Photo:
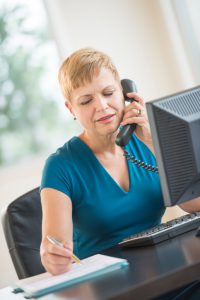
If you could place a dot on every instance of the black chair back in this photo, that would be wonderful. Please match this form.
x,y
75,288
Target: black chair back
x,y
22,228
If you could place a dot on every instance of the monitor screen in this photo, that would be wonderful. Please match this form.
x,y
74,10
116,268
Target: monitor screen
x,y
175,128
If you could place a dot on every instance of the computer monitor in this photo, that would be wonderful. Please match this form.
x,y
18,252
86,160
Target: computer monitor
x,y
175,128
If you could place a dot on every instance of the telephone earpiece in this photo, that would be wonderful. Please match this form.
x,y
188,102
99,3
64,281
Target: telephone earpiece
x,y
126,132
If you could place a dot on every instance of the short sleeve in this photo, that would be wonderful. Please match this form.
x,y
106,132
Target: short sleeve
x,y
56,175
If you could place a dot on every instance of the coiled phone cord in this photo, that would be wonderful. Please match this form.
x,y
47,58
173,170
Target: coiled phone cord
x,y
140,163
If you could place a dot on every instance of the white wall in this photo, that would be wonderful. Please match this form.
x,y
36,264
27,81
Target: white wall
x,y
142,37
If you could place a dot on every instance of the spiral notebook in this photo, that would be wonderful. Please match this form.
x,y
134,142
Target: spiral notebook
x,y
91,267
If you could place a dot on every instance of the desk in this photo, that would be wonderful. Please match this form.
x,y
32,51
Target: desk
x,y
153,271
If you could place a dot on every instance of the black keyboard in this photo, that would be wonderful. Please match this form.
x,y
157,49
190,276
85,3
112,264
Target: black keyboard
x,y
163,231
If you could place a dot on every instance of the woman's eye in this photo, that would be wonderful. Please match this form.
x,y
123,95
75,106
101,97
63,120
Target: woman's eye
x,y
86,102
108,94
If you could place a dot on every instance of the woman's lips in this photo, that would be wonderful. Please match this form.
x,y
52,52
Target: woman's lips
x,y
106,118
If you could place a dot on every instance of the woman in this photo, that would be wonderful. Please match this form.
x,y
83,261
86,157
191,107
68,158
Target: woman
x,y
92,197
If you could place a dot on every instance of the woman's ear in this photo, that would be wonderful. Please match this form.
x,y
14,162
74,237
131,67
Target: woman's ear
x,y
69,106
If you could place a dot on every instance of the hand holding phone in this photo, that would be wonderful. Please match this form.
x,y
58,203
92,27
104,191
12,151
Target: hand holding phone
x,y
126,132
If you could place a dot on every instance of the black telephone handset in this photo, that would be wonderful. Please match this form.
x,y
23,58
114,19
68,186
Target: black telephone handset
x,y
126,132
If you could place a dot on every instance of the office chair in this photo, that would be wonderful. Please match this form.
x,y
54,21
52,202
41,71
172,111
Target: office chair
x,y
22,228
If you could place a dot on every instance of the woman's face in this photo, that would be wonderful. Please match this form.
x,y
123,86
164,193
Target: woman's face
x,y
99,105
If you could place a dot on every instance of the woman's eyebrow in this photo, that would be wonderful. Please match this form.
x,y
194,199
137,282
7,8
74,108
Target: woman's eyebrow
x,y
109,87
83,96
89,95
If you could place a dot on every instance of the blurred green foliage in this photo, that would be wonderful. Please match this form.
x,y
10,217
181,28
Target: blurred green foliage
x,y
26,111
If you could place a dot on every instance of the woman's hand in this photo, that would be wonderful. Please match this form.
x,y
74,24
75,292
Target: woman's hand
x,y
55,259
135,112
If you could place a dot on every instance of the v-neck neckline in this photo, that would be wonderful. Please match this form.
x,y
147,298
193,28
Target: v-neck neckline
x,y
104,169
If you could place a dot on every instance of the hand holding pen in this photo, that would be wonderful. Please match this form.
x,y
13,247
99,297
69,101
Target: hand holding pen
x,y
55,258
56,242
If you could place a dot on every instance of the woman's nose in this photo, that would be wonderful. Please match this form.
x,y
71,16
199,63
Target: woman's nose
x,y
101,104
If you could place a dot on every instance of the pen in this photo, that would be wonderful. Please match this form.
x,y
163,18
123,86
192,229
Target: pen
x,y
56,242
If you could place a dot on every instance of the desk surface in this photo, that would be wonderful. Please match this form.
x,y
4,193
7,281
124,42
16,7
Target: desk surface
x,y
153,270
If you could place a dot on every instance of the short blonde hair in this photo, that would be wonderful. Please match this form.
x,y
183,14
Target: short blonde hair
x,y
80,67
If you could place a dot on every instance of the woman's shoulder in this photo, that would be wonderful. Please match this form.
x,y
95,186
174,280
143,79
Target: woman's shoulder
x,y
64,154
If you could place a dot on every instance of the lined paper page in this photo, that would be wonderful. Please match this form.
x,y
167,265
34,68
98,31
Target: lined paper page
x,y
89,265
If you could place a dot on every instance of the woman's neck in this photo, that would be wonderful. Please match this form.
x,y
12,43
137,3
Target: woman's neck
x,y
102,144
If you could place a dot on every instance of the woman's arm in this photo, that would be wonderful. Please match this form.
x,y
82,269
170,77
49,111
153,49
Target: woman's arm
x,y
57,222
191,206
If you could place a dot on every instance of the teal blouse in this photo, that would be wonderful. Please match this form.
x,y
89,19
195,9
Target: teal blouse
x,y
104,213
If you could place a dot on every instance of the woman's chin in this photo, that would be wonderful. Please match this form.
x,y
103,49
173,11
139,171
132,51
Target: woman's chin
x,y
112,130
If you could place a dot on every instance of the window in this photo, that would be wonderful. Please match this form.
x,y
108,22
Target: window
x,y
31,119
187,13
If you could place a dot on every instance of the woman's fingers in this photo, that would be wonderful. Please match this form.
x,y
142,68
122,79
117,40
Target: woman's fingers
x,y
68,245
136,97
134,105
134,120
57,250
134,113
58,260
